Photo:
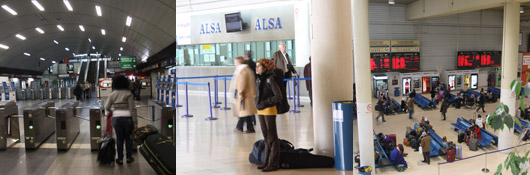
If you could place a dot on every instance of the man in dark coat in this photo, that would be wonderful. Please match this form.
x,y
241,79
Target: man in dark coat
x,y
307,74
282,61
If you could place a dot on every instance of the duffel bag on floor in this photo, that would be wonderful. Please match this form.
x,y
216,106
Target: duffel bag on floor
x,y
294,160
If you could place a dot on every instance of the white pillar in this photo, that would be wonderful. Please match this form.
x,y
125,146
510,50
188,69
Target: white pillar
x,y
510,46
332,66
361,43
301,34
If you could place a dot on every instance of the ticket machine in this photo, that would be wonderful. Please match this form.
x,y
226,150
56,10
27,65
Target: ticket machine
x,y
169,89
174,92
105,87
163,88
157,86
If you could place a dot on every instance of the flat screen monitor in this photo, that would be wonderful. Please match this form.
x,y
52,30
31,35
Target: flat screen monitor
x,y
233,22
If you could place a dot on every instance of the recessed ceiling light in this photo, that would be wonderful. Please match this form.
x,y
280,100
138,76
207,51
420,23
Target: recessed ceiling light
x,y
73,54
53,62
67,49
94,47
39,30
27,54
103,31
4,46
119,54
5,7
521,9
55,41
98,10
129,20
20,37
37,4
121,48
68,6
60,27
42,59
123,39
391,2
82,28
89,40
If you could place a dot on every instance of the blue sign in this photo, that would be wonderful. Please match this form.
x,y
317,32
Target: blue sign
x,y
268,24
210,28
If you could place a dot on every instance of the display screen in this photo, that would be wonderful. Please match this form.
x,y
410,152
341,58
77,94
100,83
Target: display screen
x,y
398,62
474,59
233,22
406,85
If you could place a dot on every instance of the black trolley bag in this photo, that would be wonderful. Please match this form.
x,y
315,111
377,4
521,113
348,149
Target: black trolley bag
x,y
159,152
295,159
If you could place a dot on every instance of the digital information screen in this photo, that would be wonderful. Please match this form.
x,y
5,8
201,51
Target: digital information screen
x,y
475,59
395,62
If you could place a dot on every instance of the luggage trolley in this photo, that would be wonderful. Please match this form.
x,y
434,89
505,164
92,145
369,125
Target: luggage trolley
x,y
39,123
66,125
9,128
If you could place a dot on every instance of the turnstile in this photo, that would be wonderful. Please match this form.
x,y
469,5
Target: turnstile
x,y
39,123
71,92
54,93
20,94
28,94
9,128
62,93
66,125
163,118
96,114
37,94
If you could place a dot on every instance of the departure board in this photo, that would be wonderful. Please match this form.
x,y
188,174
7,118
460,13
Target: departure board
x,y
475,59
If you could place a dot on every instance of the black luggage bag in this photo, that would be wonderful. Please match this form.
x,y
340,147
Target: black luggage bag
x,y
159,152
294,160
106,150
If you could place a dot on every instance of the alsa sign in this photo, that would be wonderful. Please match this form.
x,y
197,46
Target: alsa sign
x,y
261,24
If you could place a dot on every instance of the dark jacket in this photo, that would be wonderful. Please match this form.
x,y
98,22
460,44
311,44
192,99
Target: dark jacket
x,y
397,158
444,107
252,65
279,61
268,92
307,74
78,90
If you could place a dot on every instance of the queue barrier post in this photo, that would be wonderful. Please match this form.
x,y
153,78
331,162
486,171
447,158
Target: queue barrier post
x,y
294,98
177,105
226,107
187,104
210,104
298,89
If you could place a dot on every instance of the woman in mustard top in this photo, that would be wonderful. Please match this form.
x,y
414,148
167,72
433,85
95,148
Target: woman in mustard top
x,y
267,97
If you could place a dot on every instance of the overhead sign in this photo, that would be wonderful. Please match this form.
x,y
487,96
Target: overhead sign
x,y
475,59
398,62
405,49
128,62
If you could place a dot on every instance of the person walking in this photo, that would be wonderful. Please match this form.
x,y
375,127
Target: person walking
x,y
138,89
426,147
433,94
78,91
307,74
268,96
120,106
380,108
246,91
87,90
410,105
445,106
481,100
252,65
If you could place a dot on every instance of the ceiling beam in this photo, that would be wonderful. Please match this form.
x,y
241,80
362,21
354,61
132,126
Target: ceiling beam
x,y
424,9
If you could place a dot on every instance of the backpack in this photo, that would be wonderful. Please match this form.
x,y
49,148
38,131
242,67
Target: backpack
x,y
283,106
257,156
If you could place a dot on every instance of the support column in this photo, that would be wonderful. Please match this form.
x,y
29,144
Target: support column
x,y
510,46
301,34
332,66
361,43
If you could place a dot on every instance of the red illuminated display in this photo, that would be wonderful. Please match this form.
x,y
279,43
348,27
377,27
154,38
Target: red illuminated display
x,y
385,62
479,59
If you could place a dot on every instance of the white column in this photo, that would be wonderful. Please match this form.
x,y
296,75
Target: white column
x,y
332,66
361,43
301,34
510,46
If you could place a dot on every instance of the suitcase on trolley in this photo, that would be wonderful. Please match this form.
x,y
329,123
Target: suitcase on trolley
x,y
451,155
159,152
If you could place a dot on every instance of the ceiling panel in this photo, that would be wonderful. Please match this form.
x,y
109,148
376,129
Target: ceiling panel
x,y
149,32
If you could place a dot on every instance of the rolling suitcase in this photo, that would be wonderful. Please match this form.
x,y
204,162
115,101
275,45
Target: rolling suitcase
x,y
451,155
458,150
159,152
461,137
393,137
473,144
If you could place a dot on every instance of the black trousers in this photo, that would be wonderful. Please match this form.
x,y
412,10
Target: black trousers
x,y
243,120
123,126
481,106
272,143
427,157
311,97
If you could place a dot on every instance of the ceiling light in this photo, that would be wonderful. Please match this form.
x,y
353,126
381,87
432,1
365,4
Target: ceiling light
x,y
5,7
391,2
42,59
39,30
123,39
94,47
129,20
98,10
82,28
68,6
89,40
121,48
103,31
119,54
20,37
27,54
73,54
60,27
53,62
67,49
55,41
37,4
4,46
521,9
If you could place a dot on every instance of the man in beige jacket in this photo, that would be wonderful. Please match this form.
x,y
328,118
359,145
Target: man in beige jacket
x,y
246,91
426,147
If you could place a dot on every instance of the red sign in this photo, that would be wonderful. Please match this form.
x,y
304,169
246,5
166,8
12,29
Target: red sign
x,y
474,59
17,75
400,62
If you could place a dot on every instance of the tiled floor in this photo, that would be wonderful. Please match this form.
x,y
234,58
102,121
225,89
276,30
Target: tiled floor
x,y
78,160
211,147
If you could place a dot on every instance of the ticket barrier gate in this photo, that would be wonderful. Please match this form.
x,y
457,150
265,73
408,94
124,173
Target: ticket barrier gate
x,y
36,94
98,124
45,93
29,94
9,128
163,118
66,125
62,93
71,92
39,123
20,94
54,93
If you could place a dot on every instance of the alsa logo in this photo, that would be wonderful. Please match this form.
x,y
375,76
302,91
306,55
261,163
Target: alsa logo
x,y
209,28
268,24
